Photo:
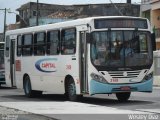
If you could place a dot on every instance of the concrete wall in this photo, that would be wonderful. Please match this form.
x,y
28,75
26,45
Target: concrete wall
x,y
156,18
156,81
108,9
152,7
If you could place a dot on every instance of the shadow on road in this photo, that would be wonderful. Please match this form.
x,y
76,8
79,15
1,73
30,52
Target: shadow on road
x,y
16,95
43,98
88,100
7,88
112,102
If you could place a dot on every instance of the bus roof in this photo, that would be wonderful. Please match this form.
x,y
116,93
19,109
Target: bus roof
x,y
76,22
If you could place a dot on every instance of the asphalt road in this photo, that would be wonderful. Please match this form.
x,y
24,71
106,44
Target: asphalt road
x,y
98,107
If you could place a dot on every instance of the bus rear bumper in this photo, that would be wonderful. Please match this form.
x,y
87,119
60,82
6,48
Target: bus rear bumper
x,y
102,88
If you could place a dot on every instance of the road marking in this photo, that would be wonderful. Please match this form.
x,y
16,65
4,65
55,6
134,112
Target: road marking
x,y
65,108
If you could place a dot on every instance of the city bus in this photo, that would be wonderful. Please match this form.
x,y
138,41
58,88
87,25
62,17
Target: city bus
x,y
95,55
2,77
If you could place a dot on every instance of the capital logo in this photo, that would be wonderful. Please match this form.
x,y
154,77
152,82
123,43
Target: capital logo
x,y
46,65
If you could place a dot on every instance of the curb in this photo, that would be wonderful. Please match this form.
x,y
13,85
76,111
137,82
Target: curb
x,y
156,87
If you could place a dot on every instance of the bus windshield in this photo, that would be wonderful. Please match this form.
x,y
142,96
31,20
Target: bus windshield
x,y
121,49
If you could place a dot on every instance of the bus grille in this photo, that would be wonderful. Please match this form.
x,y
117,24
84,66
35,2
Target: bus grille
x,y
124,74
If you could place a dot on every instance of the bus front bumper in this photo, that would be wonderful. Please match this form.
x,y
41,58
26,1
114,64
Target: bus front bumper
x,y
102,88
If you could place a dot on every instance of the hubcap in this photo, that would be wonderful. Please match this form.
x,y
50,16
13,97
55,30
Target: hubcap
x,y
27,87
72,89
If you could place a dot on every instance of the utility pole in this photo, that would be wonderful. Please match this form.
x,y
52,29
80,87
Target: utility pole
x,y
4,31
37,15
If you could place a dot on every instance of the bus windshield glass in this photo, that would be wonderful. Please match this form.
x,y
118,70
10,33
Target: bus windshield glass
x,y
120,49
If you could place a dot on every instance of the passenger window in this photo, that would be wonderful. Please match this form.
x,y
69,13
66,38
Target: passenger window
x,y
27,39
19,45
7,46
27,44
53,42
39,43
68,45
143,42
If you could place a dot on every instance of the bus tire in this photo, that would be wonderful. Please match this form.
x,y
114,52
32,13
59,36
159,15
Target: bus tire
x,y
124,96
71,90
28,89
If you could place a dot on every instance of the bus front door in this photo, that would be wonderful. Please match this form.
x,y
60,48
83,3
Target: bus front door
x,y
83,62
12,62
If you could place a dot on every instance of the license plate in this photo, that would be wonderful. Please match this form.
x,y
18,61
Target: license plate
x,y
125,88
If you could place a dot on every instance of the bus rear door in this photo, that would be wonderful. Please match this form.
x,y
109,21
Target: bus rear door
x,y
10,61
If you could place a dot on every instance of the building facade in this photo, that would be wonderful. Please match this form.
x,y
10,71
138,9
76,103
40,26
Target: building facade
x,y
29,12
151,10
13,26
46,12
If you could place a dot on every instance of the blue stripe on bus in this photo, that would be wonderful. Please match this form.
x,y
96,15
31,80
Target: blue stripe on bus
x,y
98,88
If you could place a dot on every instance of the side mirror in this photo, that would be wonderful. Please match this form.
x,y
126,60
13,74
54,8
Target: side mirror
x,y
153,40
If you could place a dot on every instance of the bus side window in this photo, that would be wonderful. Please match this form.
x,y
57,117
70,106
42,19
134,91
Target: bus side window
x,y
7,46
39,43
27,44
19,45
53,38
68,45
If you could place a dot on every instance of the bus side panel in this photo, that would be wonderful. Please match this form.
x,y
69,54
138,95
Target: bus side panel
x,y
52,81
41,75
19,80
44,80
69,66
19,72
7,78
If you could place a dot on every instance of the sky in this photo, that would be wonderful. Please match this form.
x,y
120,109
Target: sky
x,y
14,4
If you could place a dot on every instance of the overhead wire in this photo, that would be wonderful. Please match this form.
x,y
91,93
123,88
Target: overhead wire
x,y
116,8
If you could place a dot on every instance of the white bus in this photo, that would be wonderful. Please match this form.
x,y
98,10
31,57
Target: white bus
x,y
2,77
96,55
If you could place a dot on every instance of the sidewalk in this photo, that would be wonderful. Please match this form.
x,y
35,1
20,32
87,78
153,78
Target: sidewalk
x,y
156,87
7,113
156,81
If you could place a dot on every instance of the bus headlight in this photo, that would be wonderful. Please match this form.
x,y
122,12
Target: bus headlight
x,y
148,76
98,78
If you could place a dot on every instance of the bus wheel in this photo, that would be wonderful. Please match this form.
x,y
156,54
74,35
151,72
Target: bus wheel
x,y
28,89
122,97
71,90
